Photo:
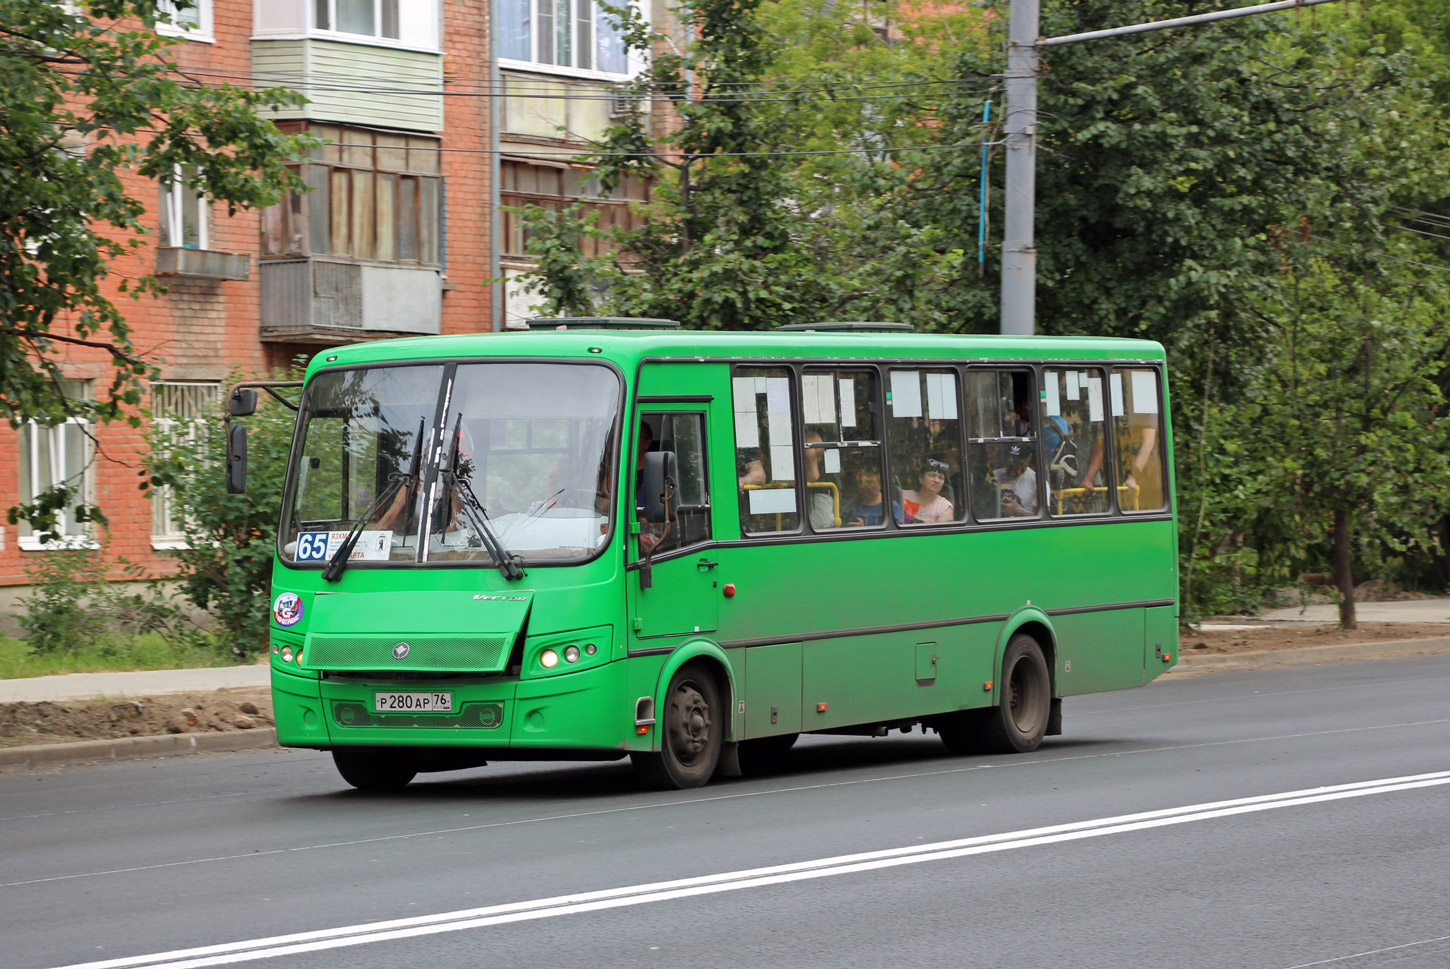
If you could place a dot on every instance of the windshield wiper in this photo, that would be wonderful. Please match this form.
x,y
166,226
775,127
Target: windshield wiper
x,y
338,562
477,515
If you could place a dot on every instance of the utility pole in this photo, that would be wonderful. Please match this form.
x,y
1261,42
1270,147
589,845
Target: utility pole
x,y
1019,129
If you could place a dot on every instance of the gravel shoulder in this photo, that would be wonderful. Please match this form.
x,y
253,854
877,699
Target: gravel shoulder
x,y
64,721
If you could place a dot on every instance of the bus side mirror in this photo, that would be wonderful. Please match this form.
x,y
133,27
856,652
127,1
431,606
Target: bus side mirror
x,y
242,403
237,457
660,474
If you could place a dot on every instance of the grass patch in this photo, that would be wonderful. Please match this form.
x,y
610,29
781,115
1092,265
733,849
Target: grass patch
x,y
111,653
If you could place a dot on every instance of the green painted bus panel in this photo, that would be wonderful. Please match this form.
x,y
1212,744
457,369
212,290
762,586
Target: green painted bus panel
x,y
1160,639
926,660
862,679
297,710
415,631
772,689
643,676
682,600
1099,651
681,379
585,709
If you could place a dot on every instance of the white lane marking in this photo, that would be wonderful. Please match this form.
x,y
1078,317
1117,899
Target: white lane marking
x,y
688,802
368,933
1371,952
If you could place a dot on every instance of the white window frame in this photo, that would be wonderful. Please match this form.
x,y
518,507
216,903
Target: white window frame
x,y
634,62
174,198
186,24
166,531
409,13
73,534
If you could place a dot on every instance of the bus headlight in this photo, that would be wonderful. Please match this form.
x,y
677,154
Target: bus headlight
x,y
548,659
571,654
286,654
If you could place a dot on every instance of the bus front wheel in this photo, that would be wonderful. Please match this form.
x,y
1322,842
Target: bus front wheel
x,y
690,734
373,770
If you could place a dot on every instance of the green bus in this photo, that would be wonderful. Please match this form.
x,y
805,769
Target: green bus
x,y
606,538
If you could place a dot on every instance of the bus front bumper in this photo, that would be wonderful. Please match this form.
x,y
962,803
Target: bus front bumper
x,y
567,716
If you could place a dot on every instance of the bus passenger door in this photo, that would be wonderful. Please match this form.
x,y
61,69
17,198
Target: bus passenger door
x,y
683,593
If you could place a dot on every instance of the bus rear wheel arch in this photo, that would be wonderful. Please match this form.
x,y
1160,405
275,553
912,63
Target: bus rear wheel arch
x,y
1021,719
692,723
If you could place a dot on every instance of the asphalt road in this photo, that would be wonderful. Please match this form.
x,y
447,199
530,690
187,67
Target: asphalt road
x,y
1290,817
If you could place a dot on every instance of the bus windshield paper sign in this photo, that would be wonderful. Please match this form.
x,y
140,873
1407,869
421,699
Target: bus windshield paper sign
x,y
372,546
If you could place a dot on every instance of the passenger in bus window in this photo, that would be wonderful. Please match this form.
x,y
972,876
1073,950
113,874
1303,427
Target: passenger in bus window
x,y
868,505
823,500
926,503
1018,480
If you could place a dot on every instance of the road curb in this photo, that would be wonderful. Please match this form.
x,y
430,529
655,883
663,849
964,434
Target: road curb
x,y
166,745
1190,662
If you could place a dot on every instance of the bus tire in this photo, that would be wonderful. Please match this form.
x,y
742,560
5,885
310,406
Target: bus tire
x,y
1018,724
765,755
373,770
690,727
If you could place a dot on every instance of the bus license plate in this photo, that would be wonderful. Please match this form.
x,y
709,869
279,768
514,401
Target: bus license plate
x,y
413,702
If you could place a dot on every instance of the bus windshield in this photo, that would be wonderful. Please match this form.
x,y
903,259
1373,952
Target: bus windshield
x,y
433,464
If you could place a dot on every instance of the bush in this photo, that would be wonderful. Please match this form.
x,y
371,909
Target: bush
x,y
75,608
227,568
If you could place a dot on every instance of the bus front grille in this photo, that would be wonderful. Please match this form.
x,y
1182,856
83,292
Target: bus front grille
x,y
473,716
445,654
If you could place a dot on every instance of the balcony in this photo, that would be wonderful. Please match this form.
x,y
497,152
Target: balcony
x,y
321,301
204,263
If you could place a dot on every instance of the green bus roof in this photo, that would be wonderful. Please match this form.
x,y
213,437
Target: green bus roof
x,y
627,346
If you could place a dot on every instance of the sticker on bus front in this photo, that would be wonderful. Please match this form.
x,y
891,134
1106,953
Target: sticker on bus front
x,y
372,546
287,609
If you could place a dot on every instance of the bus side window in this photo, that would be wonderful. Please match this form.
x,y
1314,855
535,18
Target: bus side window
x,y
765,450
842,449
925,442
684,435
1138,439
1002,445
1073,435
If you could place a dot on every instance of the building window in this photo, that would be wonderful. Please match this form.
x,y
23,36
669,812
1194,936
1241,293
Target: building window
x,y
370,18
183,214
179,413
376,196
58,454
191,19
556,187
577,34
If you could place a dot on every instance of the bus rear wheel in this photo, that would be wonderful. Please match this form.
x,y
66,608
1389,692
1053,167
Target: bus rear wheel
x,y
1019,722
373,770
690,735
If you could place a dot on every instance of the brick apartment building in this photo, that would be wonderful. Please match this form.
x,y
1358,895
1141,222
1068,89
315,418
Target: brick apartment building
x,y
401,235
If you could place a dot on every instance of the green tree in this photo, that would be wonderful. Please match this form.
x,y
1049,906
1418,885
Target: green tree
x,y
226,568
717,250
88,96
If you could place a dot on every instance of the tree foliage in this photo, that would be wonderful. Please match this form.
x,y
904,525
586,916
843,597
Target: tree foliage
x,y
1263,196
226,566
92,94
